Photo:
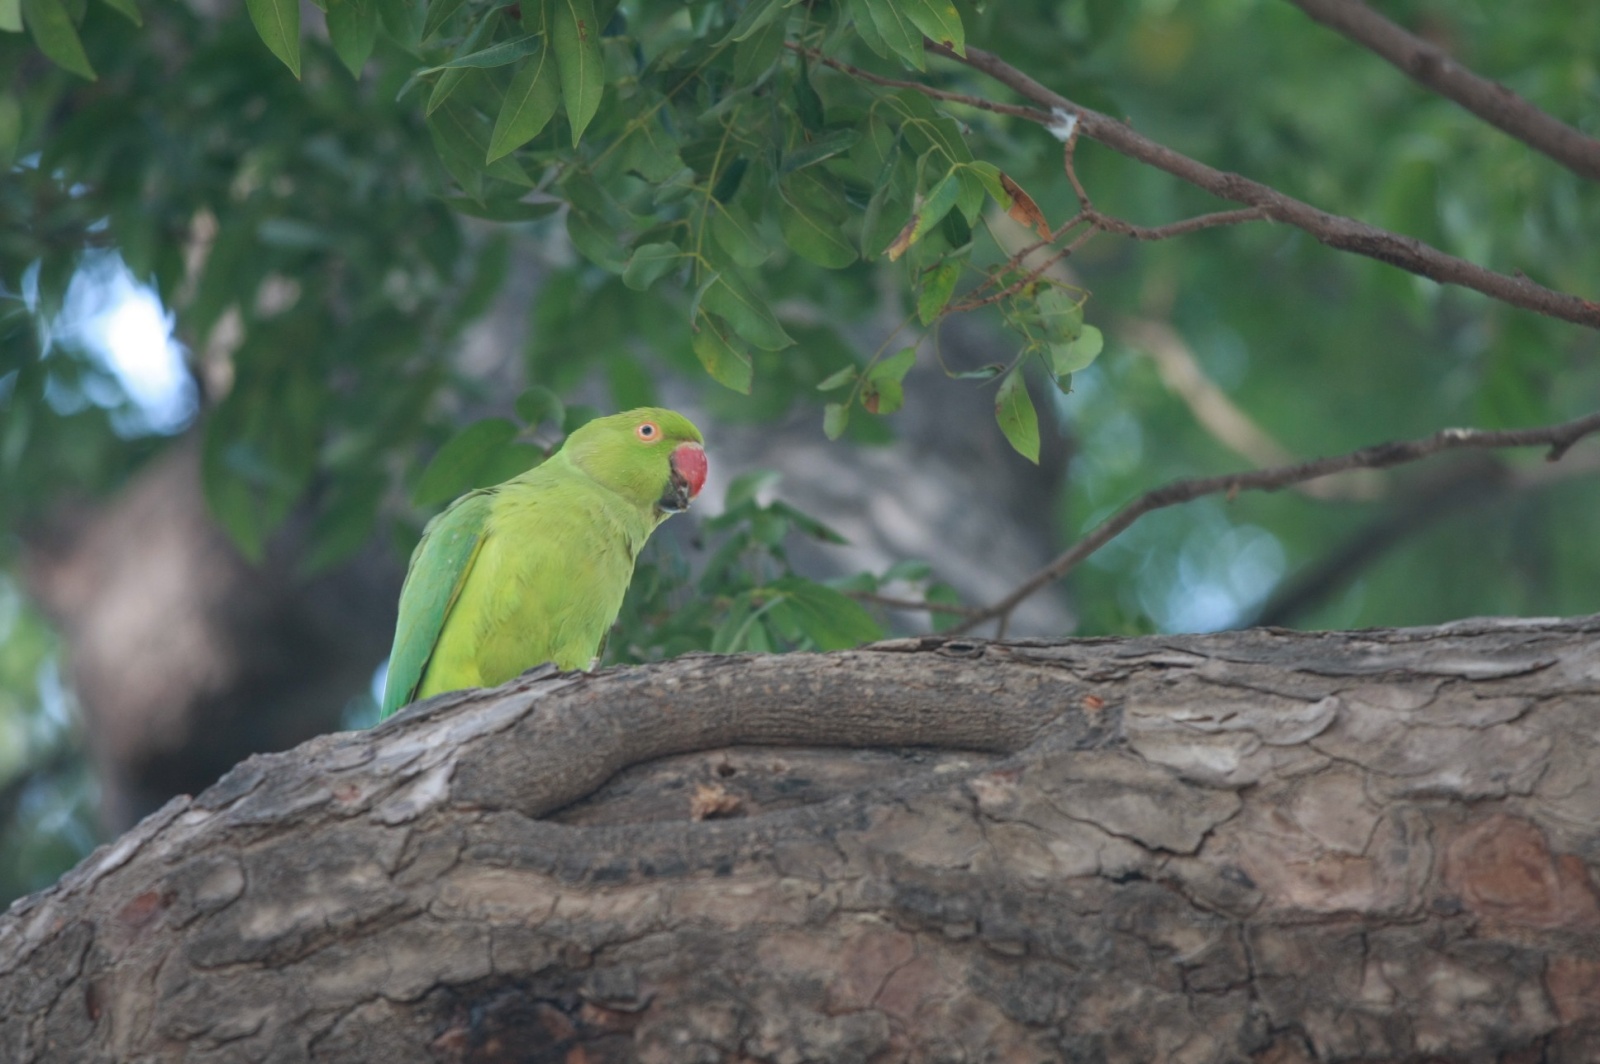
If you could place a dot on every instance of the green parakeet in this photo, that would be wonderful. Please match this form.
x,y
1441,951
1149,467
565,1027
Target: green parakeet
x,y
534,570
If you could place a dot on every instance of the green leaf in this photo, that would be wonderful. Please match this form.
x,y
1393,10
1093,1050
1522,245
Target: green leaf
x,y
882,396
734,633
575,34
747,487
721,356
970,199
278,23
508,462
595,242
938,203
462,136
452,138
57,37
496,55
831,620
729,182
449,81
461,464
736,234
439,12
807,104
648,263
806,523
813,235
835,418
862,18
937,289
838,379
927,129
529,104
882,392
400,18
1076,354
911,570
648,149
823,147
895,367
10,16
756,14
941,198
353,28
126,8
577,416
1060,314
1013,409
538,405
898,33
939,21
727,294
758,52
989,174
878,223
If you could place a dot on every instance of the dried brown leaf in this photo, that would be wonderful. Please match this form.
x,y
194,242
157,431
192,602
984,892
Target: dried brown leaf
x,y
903,241
1023,209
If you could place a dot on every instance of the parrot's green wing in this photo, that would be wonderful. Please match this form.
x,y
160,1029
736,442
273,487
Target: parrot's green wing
x,y
439,566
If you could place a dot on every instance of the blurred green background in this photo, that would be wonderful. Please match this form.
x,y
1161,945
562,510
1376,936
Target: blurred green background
x,y
247,320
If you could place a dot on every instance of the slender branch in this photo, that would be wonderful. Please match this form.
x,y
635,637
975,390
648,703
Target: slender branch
x,y
1020,283
919,605
1381,456
979,102
1431,66
1336,231
1183,228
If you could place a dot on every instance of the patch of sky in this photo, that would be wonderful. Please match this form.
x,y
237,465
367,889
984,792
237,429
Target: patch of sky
x,y
135,369
1218,577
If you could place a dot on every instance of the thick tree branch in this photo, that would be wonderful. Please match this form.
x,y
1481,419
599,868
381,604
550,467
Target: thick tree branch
x,y
1336,231
1431,66
1380,456
1263,845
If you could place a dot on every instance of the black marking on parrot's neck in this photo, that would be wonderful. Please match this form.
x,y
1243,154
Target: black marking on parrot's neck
x,y
675,499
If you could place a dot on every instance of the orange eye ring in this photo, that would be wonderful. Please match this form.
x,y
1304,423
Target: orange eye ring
x,y
648,432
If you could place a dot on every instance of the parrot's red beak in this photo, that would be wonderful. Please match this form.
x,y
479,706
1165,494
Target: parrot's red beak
x,y
688,461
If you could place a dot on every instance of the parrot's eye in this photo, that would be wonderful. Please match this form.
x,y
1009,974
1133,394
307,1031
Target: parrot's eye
x,y
649,432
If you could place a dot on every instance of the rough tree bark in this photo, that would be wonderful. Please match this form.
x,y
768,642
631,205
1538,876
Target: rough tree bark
x,y
1264,845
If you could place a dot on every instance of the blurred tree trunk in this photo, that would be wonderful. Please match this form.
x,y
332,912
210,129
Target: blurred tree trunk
x,y
186,657
1261,845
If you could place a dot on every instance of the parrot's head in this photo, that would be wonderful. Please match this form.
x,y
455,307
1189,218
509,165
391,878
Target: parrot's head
x,y
648,455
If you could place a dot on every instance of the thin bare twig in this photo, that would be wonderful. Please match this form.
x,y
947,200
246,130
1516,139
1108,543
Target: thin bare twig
x,y
918,605
1336,231
982,104
1183,228
1380,456
1431,66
